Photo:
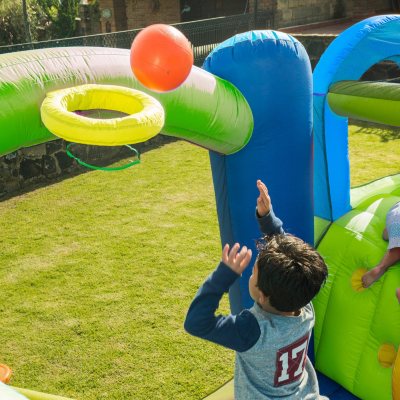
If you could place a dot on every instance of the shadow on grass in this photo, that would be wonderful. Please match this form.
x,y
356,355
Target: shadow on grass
x,y
384,132
103,159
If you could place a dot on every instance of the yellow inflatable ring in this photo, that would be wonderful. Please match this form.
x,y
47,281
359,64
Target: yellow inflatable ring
x,y
144,120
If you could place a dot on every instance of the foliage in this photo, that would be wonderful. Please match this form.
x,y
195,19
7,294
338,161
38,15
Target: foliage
x,y
65,23
48,19
39,21
339,10
11,29
50,8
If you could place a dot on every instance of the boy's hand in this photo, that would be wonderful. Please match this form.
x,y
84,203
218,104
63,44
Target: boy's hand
x,y
236,260
263,200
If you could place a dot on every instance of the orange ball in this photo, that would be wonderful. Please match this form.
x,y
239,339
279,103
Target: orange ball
x,y
161,57
5,373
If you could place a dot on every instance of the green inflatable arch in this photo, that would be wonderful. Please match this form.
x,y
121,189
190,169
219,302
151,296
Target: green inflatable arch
x,y
205,110
367,101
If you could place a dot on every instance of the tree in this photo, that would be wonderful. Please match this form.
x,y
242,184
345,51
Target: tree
x,y
10,31
12,22
65,24
48,19
50,8
27,27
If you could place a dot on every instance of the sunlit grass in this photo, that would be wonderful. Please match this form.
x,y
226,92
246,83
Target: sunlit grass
x,y
374,152
97,272
96,275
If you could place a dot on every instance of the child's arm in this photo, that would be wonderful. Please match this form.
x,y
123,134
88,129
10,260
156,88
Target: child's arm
x,y
268,222
237,332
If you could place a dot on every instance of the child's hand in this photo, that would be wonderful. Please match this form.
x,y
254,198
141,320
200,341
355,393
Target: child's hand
x,y
236,260
263,200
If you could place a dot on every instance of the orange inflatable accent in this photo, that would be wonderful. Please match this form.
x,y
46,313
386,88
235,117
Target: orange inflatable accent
x,y
396,377
161,57
5,373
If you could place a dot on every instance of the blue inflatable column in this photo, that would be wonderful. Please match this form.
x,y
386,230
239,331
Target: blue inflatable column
x,y
273,72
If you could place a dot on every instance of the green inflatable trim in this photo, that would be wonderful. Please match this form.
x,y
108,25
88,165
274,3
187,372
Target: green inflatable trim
x,y
204,110
32,395
367,101
320,227
378,189
225,392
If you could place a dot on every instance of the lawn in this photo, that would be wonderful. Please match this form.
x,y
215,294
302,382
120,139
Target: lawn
x,y
97,272
374,152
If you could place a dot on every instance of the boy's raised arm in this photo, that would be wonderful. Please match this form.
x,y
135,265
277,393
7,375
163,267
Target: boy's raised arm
x,y
237,332
263,200
268,222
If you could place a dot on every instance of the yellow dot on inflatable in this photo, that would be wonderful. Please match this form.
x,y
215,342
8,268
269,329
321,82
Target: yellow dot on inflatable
x,y
387,355
356,282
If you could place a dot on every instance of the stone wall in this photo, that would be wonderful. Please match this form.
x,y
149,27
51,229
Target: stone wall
x,y
315,45
133,14
141,13
43,164
359,7
299,12
138,13
264,5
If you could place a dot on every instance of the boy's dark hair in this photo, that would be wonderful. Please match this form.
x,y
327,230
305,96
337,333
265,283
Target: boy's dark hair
x,y
290,271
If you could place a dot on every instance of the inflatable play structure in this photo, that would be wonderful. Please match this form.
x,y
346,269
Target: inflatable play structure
x,y
357,335
253,105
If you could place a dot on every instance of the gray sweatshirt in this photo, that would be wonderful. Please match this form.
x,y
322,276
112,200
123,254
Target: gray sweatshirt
x,y
271,350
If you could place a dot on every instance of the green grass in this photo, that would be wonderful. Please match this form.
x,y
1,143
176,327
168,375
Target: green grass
x,y
97,272
374,152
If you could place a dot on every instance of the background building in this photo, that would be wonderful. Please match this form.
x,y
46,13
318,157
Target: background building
x,y
119,15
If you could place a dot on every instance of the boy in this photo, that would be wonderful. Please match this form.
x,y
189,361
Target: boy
x,y
271,338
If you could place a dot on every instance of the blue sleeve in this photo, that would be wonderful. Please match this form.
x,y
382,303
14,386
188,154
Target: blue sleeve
x,y
237,332
270,224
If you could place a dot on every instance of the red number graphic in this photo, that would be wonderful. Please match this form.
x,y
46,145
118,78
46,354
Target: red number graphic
x,y
290,361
